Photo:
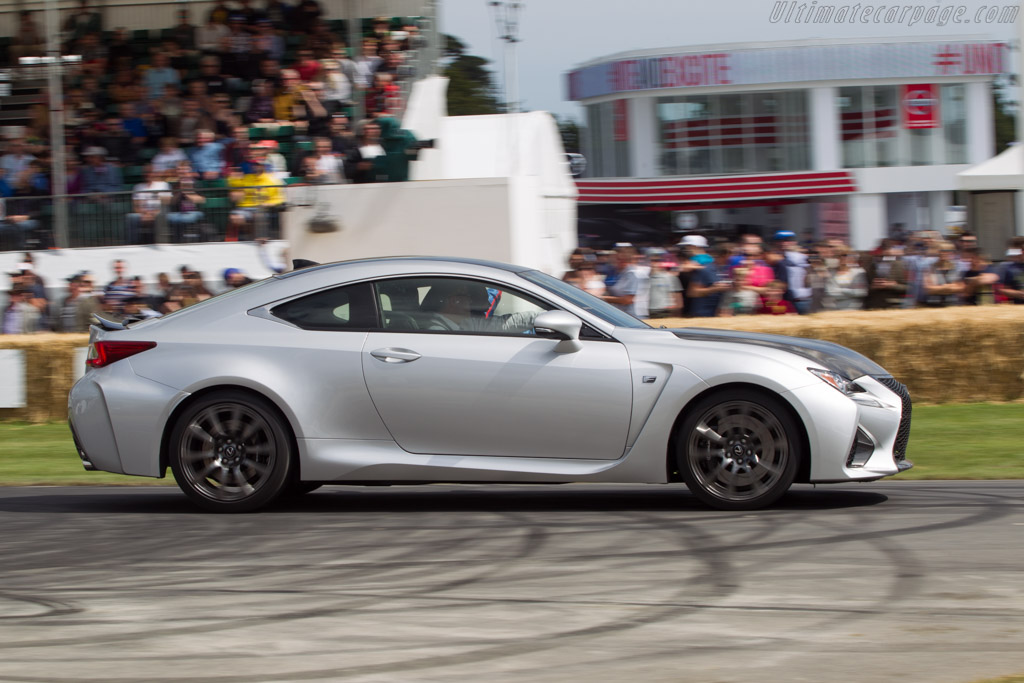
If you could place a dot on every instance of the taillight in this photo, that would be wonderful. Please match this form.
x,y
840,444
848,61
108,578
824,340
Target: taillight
x,y
103,353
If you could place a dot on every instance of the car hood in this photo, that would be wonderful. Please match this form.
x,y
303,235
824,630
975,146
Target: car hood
x,y
830,356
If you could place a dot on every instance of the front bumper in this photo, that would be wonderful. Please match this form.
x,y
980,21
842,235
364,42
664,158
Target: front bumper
x,y
859,439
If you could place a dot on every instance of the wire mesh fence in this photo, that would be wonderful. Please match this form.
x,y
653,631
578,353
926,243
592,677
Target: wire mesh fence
x,y
212,214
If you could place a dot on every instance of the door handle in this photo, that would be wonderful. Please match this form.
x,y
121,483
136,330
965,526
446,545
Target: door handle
x,y
395,355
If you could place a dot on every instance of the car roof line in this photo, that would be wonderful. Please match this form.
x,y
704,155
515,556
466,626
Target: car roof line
x,y
383,259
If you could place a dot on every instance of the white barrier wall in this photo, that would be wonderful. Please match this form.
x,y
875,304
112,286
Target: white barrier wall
x,y
494,187
12,378
210,259
500,219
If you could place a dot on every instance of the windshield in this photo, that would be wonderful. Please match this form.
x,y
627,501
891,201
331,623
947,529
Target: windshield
x,y
588,302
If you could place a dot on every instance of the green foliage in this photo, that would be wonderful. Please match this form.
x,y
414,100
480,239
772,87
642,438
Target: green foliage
x,y
471,89
570,131
453,47
1003,110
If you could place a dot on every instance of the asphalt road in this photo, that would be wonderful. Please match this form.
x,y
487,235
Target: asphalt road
x,y
893,581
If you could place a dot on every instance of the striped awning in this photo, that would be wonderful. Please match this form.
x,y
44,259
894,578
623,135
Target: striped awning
x,y
703,189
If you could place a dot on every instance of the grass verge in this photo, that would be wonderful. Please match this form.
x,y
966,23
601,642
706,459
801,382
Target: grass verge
x,y
973,441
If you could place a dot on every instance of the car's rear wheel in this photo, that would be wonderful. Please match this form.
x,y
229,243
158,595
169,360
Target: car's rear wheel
x,y
230,452
739,450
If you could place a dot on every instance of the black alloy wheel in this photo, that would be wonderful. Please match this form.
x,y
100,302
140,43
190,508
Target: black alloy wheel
x,y
231,452
739,450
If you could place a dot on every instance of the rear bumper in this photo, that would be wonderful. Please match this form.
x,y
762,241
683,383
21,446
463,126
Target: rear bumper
x,y
89,418
86,463
118,418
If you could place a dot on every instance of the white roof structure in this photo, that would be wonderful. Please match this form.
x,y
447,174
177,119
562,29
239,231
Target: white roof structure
x,y
491,146
1002,172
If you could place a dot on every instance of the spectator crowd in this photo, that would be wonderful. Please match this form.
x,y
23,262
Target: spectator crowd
x,y
30,308
747,276
691,279
188,124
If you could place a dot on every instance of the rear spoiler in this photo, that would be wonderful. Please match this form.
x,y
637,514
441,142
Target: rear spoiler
x,y
108,324
111,324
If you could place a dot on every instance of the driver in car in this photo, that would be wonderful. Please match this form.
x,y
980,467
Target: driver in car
x,y
457,314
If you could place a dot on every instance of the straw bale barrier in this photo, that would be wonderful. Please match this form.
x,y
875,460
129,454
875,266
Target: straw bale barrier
x,y
49,373
952,355
965,354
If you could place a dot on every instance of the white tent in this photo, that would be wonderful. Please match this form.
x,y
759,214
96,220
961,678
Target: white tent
x,y
995,185
1002,172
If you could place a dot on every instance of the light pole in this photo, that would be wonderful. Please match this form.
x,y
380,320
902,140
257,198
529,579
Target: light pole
x,y
1020,113
58,185
506,14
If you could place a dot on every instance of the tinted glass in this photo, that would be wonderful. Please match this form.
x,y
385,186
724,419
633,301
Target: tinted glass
x,y
433,304
339,309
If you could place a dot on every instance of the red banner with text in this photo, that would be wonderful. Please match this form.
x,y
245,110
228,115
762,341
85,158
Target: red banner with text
x,y
920,106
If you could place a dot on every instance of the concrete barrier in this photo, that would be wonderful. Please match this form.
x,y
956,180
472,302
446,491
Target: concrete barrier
x,y
956,355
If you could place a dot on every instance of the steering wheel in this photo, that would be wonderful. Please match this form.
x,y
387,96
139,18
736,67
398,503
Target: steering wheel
x,y
399,321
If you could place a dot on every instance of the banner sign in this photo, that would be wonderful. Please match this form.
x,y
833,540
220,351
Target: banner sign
x,y
620,120
788,65
920,106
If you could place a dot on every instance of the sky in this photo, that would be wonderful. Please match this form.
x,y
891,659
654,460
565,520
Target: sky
x,y
558,35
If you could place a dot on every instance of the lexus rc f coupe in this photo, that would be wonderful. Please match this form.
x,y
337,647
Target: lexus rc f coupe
x,y
418,370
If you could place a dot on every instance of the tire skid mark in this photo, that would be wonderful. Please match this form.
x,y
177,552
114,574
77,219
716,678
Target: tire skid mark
x,y
532,540
655,612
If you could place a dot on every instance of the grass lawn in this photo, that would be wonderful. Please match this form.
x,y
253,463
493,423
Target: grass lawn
x,y
45,454
976,441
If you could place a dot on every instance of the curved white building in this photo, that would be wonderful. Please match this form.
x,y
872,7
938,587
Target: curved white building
x,y
851,139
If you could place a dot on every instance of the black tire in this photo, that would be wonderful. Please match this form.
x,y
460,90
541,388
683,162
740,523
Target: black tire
x,y
739,449
231,451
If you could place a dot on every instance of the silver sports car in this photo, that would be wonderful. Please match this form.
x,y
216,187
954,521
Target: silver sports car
x,y
420,370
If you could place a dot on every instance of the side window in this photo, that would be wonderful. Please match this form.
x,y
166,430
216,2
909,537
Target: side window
x,y
338,309
433,304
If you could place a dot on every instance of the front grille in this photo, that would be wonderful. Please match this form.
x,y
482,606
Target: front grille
x,y
903,434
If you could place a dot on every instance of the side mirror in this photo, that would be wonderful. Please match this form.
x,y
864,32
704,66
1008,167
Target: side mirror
x,y
562,326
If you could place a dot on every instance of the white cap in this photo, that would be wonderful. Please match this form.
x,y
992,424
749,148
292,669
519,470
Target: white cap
x,y
694,241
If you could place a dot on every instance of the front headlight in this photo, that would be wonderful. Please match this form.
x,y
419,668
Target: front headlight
x,y
845,386
836,381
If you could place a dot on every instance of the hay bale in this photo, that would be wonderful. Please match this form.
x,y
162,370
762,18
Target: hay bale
x,y
965,354
952,355
49,370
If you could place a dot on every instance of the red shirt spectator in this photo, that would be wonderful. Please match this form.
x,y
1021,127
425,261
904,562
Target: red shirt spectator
x,y
308,68
774,303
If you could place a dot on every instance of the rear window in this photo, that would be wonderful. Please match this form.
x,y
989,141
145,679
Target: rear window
x,y
340,309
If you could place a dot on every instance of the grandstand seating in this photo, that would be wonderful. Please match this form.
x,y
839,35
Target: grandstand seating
x,y
103,224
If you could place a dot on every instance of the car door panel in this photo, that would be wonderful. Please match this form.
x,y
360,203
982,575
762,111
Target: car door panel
x,y
467,394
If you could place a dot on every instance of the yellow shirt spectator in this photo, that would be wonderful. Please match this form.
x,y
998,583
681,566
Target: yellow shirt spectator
x,y
260,189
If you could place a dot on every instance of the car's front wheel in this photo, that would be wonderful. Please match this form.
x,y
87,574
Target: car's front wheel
x,y
230,452
739,450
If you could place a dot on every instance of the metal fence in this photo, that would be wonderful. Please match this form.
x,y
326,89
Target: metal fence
x,y
154,217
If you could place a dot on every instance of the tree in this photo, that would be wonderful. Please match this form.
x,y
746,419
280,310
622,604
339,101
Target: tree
x,y
471,89
570,131
1005,112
